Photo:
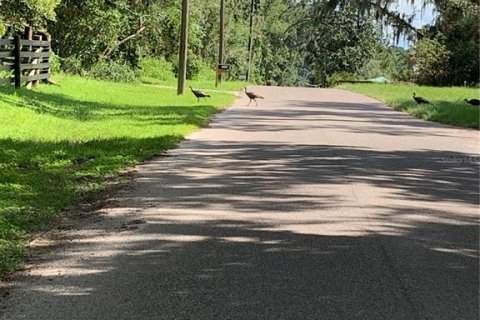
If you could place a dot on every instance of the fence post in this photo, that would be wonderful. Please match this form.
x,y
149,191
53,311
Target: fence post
x,y
33,72
17,64
28,35
48,37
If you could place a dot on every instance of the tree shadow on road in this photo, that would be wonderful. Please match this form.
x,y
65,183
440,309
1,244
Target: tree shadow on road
x,y
241,235
261,170
231,269
363,118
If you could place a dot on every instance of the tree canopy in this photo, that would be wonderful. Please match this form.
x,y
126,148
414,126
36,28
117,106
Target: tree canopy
x,y
15,14
294,41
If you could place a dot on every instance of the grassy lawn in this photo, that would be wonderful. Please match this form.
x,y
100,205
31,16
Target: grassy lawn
x,y
59,144
447,102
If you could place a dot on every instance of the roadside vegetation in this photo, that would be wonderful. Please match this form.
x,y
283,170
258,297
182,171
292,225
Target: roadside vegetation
x,y
447,103
61,144
293,42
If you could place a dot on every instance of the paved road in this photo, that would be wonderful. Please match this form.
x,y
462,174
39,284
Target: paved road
x,y
316,204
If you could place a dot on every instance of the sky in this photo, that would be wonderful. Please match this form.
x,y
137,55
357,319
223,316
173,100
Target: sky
x,y
423,15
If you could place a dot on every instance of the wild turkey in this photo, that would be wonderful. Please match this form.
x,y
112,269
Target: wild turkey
x,y
253,96
199,94
473,102
420,100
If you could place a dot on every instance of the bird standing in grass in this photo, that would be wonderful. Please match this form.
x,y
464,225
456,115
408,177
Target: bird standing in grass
x,y
253,96
420,100
199,94
473,102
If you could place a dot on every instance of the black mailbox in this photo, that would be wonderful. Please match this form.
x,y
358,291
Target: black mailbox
x,y
223,67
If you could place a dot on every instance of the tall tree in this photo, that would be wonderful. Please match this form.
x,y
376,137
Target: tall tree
x,y
91,30
339,41
278,55
289,35
458,28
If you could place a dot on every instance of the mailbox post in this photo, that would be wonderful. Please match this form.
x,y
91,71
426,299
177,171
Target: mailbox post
x,y
221,68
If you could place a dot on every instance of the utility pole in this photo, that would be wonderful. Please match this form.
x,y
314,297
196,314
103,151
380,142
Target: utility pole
x,y
182,59
222,41
250,40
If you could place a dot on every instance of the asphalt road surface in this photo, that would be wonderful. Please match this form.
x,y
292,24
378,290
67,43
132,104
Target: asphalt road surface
x,y
315,204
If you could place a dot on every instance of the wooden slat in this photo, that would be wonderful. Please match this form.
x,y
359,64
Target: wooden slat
x,y
34,54
36,77
35,43
7,61
31,66
6,42
6,54
6,81
6,67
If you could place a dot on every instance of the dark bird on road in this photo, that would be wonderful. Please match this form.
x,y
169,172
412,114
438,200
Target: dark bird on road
x,y
473,102
253,96
420,100
199,94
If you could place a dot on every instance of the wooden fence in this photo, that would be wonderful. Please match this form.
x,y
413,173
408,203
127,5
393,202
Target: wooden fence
x,y
24,61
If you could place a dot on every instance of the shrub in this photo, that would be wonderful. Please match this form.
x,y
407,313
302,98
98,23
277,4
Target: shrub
x,y
113,71
3,29
6,74
391,62
72,65
204,72
196,69
431,60
156,68
56,63
342,76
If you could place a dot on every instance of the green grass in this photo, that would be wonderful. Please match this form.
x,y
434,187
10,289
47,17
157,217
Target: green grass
x,y
60,144
447,105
